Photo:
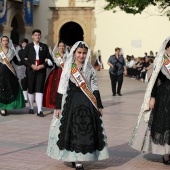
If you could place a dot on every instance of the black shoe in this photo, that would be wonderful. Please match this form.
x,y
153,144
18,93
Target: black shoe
x,y
31,111
119,94
4,112
80,167
40,114
113,94
73,164
166,162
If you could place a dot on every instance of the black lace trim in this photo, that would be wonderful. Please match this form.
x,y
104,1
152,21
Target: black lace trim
x,y
85,126
159,123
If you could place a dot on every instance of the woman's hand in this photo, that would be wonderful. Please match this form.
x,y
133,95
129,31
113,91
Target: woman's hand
x,y
152,103
125,72
101,112
57,113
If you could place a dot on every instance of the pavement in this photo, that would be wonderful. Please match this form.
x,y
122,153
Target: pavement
x,y
24,137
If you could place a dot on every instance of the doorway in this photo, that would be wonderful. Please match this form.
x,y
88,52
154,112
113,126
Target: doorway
x,y
71,32
18,29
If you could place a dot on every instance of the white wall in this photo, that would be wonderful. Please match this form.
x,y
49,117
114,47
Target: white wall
x,y
61,3
119,29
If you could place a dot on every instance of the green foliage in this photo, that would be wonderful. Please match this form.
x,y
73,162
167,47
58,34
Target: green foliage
x,y
135,6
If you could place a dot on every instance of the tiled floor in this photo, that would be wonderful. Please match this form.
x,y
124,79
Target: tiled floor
x,y
23,137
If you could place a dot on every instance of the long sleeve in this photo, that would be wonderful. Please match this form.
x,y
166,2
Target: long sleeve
x,y
24,57
95,89
160,79
15,60
96,93
154,90
48,57
59,101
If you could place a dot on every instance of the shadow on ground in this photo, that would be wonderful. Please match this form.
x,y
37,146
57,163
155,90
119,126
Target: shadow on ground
x,y
119,155
110,103
152,157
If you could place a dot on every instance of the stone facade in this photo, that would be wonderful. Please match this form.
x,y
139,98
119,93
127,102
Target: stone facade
x,y
15,18
83,16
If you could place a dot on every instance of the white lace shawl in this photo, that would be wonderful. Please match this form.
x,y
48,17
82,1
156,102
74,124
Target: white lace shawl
x,y
64,56
158,63
87,70
10,55
11,51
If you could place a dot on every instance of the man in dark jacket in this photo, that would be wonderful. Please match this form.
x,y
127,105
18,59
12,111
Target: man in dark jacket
x,y
117,68
36,58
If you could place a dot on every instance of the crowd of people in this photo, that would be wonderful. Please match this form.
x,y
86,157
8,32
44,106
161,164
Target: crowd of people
x,y
139,68
77,132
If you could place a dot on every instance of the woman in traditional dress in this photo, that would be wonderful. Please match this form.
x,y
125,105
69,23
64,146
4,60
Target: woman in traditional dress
x,y
152,133
77,132
50,92
98,63
11,96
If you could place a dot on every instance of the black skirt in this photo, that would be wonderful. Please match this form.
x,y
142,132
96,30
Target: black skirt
x,y
160,116
81,127
9,85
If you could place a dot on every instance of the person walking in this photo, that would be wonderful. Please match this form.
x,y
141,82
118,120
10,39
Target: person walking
x,y
98,63
152,132
50,91
117,68
36,58
77,132
11,96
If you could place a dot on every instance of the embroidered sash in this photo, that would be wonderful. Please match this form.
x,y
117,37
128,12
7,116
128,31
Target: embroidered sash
x,y
59,59
7,63
167,63
79,78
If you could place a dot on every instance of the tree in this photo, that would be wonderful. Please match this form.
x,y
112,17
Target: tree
x,y
136,6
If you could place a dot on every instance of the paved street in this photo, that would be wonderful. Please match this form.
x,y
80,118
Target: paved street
x,y
23,137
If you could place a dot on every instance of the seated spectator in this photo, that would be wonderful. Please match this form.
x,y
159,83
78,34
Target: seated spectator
x,y
131,71
143,72
151,55
139,66
128,58
145,54
156,54
149,70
